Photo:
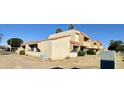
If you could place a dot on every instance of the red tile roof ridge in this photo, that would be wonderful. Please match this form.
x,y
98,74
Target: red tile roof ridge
x,y
75,43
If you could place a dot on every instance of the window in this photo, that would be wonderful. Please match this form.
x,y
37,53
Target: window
x,y
23,47
86,39
95,43
34,48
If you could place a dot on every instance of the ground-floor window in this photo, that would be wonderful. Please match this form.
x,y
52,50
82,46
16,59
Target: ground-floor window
x,y
34,48
82,48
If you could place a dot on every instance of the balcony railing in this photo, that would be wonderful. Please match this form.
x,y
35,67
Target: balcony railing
x,y
95,46
87,44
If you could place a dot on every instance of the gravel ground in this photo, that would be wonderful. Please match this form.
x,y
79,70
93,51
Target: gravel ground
x,y
15,61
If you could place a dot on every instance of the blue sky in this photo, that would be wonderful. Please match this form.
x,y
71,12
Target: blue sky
x,y
29,32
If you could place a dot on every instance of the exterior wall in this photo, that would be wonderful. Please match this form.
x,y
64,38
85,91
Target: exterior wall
x,y
27,48
69,32
81,39
40,46
45,48
87,44
34,54
71,47
76,37
60,48
98,52
52,49
95,46
101,47
73,54
98,46
19,49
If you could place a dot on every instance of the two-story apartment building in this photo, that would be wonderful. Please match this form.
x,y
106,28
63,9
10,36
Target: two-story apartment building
x,y
61,45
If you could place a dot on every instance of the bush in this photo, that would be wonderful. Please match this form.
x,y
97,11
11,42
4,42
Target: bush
x,y
81,53
67,58
22,52
91,52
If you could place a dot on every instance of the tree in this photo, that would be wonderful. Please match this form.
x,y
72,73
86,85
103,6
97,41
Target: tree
x,y
116,45
15,43
59,30
71,27
120,48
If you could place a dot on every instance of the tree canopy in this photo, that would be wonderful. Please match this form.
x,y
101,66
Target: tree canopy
x,y
15,42
116,45
59,30
71,27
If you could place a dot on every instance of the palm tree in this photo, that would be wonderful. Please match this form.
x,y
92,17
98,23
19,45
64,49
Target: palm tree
x,y
59,30
71,27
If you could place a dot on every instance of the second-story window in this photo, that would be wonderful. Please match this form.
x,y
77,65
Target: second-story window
x,y
86,39
95,43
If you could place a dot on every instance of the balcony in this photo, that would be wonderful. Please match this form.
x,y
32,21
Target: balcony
x,y
87,44
97,47
101,47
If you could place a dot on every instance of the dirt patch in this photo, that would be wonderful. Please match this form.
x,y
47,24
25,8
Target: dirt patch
x,y
27,62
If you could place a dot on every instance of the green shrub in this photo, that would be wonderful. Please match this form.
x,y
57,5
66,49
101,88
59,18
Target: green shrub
x,y
91,52
81,53
67,58
22,52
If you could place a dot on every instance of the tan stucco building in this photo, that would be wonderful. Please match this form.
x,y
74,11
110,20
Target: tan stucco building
x,y
61,45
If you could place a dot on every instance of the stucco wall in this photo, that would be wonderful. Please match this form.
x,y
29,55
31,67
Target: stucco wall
x,y
55,49
27,48
73,54
19,49
60,48
77,37
69,32
34,54
45,47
